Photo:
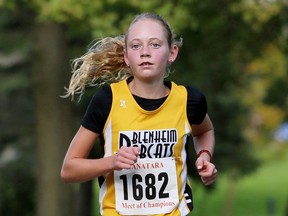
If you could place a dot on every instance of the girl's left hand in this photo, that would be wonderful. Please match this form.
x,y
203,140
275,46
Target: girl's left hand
x,y
206,170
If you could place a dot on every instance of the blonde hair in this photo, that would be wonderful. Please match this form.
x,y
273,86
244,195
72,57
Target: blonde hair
x,y
104,62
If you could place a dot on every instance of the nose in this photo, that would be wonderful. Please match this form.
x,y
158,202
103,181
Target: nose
x,y
145,52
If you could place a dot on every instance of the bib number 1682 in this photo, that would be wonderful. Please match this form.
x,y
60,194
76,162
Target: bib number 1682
x,y
145,186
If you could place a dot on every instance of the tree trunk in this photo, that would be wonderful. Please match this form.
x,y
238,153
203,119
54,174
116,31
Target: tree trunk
x,y
53,123
230,198
84,199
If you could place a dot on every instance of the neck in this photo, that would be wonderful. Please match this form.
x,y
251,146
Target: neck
x,y
149,90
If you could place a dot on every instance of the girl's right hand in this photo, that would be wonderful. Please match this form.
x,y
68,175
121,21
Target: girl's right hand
x,y
125,157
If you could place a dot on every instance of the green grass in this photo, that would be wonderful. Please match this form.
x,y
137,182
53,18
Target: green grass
x,y
269,184
248,196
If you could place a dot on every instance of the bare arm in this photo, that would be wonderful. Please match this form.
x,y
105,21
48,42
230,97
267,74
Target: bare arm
x,y
77,168
203,136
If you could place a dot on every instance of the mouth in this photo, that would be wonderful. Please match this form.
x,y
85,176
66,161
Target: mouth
x,y
145,64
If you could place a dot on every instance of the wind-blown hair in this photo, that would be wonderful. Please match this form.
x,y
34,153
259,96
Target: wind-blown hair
x,y
104,61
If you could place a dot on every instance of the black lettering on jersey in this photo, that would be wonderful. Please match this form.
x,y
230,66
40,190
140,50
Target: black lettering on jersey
x,y
158,151
171,150
124,140
151,143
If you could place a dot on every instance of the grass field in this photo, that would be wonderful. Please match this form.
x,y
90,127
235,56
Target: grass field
x,y
263,193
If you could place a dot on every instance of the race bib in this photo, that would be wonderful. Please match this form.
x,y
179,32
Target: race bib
x,y
148,187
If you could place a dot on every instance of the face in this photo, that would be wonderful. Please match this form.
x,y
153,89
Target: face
x,y
147,50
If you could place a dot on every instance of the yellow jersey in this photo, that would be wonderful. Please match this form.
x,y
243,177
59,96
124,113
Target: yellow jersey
x,y
157,184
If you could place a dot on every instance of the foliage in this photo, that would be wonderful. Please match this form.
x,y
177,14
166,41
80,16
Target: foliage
x,y
17,177
17,180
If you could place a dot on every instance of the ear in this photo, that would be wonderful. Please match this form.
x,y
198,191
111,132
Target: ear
x,y
126,58
173,53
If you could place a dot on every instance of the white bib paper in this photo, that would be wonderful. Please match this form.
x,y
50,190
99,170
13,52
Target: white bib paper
x,y
148,187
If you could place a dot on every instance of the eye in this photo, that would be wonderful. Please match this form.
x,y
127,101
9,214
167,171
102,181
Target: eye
x,y
155,45
135,46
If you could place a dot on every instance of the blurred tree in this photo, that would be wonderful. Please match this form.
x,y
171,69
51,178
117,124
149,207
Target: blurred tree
x,y
16,118
54,118
268,80
16,66
277,93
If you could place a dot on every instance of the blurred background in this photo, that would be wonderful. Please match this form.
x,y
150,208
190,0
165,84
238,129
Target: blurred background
x,y
235,52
